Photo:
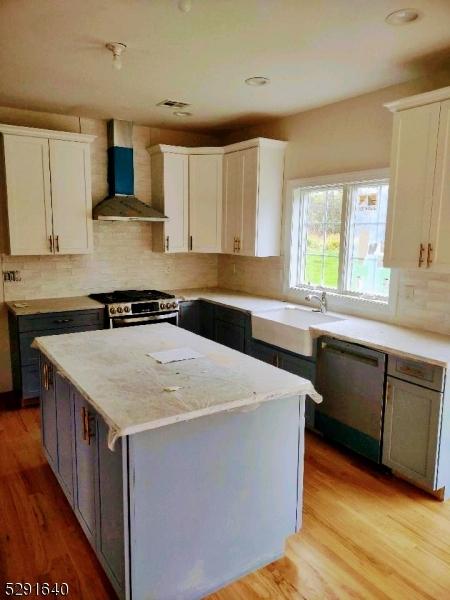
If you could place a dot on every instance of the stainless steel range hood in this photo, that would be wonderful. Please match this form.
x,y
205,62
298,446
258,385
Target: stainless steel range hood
x,y
122,204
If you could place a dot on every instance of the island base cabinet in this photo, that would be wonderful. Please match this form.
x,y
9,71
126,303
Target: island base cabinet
x,y
179,511
213,498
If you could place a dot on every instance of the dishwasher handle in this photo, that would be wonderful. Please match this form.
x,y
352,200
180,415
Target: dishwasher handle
x,y
354,352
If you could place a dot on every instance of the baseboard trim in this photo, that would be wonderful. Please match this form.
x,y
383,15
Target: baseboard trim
x,y
12,401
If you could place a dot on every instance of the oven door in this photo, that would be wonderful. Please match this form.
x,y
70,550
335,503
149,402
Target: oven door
x,y
130,321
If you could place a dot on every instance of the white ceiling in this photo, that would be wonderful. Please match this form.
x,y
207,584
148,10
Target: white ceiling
x,y
314,51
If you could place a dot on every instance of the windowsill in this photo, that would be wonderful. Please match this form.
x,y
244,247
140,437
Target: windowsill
x,y
344,303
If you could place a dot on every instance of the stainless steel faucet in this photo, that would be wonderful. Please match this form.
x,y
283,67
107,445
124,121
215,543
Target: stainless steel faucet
x,y
322,299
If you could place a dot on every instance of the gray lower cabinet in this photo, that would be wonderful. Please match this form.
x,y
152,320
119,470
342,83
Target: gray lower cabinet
x,y
189,316
298,365
411,434
74,439
25,359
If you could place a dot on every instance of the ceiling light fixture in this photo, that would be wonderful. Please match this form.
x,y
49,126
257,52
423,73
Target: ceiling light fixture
x,y
257,81
185,5
117,49
402,16
182,113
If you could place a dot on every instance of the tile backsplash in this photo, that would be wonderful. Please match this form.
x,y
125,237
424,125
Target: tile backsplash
x,y
123,258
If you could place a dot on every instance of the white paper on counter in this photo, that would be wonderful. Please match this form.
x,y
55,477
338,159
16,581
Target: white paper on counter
x,y
175,355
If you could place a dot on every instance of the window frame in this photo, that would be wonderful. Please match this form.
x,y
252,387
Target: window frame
x,y
339,299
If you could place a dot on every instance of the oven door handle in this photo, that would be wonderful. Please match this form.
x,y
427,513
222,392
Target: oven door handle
x,y
165,316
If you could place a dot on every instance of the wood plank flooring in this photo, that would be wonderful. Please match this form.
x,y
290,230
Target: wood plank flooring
x,y
366,535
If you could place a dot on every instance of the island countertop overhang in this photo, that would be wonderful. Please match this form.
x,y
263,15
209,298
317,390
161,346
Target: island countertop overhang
x,y
113,371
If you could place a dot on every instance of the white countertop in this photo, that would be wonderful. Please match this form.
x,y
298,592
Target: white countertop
x,y
411,343
232,299
112,370
49,305
432,348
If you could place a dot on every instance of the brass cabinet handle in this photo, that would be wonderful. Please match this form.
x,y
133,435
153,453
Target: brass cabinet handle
x,y
190,242
57,243
50,242
45,376
87,419
234,244
429,255
421,252
167,243
239,244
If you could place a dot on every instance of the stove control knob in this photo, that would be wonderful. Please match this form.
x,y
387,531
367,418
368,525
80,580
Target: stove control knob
x,y
112,310
119,309
126,308
162,305
174,304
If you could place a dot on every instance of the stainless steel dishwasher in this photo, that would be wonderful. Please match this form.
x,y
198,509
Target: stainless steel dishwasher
x,y
351,379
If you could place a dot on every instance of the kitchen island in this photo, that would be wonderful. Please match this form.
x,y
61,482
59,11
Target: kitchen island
x,y
183,475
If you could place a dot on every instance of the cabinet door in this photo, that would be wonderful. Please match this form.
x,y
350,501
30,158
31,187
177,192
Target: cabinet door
x,y
176,202
111,544
188,317
306,369
64,425
27,171
233,182
440,216
263,352
206,315
411,431
85,457
411,187
247,234
48,413
230,334
71,196
205,202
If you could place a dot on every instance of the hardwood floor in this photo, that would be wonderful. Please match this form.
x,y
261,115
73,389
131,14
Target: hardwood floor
x,y
366,535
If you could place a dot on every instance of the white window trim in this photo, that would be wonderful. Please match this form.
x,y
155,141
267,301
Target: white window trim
x,y
348,303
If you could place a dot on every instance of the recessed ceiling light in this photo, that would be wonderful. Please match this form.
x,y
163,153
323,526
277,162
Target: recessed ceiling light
x,y
402,16
257,81
182,113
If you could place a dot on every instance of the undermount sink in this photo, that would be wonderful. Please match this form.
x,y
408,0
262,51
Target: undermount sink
x,y
288,328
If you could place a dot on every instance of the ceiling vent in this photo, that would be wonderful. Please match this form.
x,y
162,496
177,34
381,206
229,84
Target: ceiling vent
x,y
173,104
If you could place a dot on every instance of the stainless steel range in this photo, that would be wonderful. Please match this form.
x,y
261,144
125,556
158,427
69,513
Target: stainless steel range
x,y
138,307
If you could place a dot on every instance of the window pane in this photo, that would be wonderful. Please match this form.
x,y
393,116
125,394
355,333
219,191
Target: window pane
x,y
315,206
365,272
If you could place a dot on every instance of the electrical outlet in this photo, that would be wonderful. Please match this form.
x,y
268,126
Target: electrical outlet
x,y
11,276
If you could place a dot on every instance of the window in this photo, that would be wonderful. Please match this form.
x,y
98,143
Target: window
x,y
338,238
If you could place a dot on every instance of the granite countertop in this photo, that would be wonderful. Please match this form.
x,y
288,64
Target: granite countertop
x,y
49,305
416,344
133,392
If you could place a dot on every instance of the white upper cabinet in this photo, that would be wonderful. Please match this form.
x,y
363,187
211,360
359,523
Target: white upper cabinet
x,y
46,192
187,188
418,223
205,202
252,197
170,189
71,196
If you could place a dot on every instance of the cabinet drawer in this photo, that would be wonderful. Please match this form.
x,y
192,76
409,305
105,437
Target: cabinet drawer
x,y
423,374
29,355
230,315
30,381
61,320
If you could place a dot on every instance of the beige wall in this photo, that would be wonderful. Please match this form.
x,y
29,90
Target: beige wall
x,y
346,136
122,256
